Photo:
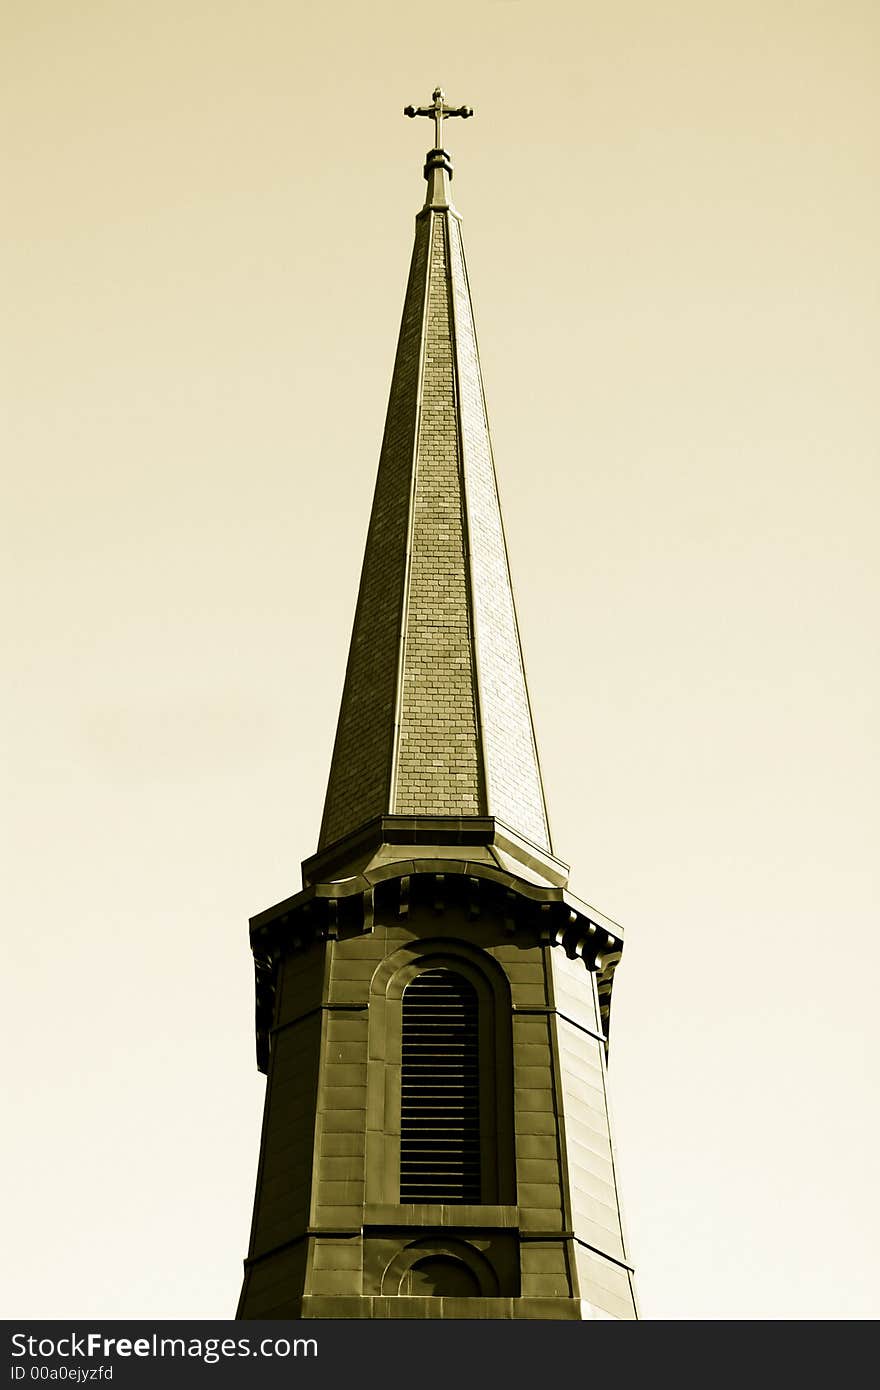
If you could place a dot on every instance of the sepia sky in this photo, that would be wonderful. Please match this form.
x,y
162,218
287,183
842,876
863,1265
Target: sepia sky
x,y
671,217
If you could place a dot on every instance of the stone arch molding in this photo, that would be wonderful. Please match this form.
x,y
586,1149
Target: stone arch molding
x,y
449,1248
394,973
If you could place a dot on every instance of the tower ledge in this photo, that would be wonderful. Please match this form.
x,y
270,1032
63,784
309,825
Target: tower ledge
x,y
460,864
385,839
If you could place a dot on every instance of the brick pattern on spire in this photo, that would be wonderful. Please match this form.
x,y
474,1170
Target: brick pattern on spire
x,y
435,715
438,767
511,755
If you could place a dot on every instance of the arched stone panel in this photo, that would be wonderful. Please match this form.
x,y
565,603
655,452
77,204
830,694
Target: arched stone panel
x,y
458,1253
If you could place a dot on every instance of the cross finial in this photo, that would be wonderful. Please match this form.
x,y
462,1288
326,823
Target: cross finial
x,y
437,111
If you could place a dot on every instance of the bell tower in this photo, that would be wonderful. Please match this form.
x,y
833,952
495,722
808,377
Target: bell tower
x,y
433,1006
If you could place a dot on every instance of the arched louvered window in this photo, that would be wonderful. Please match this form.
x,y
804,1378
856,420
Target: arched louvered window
x,y
440,1090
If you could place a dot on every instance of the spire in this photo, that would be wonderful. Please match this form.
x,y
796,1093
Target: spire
x,y
435,717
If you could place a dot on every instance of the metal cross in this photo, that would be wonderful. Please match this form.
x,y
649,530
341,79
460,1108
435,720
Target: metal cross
x,y
437,112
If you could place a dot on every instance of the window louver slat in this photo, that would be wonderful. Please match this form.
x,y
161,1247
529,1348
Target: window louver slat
x,y
440,1083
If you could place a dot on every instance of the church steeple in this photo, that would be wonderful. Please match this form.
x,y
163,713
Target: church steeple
x,y
432,1008
435,717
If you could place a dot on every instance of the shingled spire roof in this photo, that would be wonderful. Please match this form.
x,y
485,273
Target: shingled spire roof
x,y
435,717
